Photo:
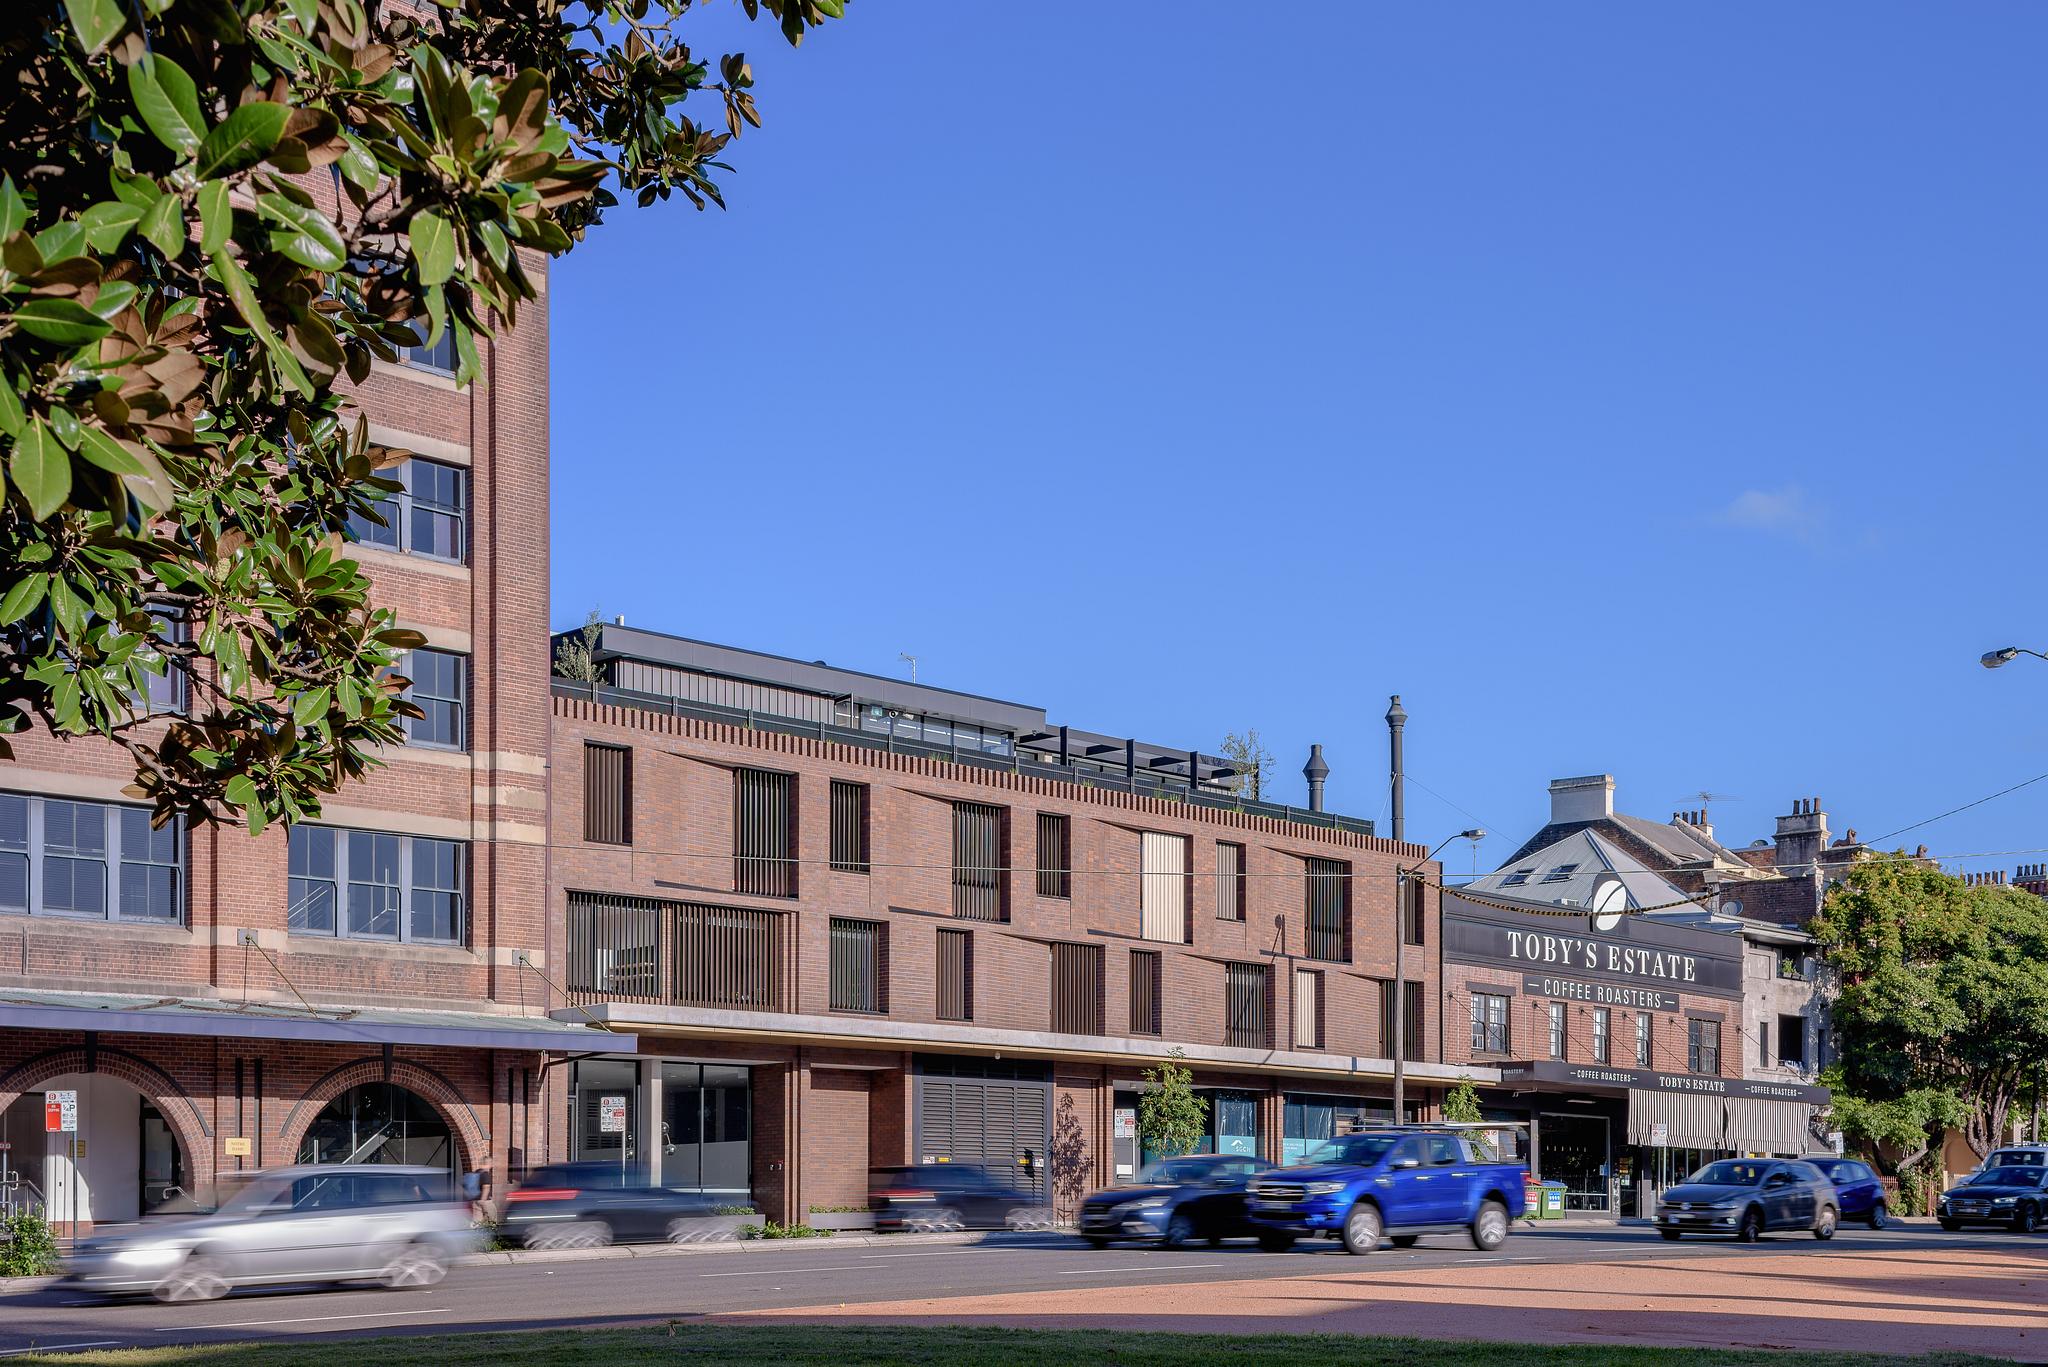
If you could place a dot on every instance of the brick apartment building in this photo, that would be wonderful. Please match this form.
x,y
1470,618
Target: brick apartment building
x,y
160,975
858,922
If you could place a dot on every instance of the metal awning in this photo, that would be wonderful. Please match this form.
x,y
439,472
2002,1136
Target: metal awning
x,y
1691,1120
25,1009
1766,1126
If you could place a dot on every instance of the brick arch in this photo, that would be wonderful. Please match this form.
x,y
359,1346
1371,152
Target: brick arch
x,y
472,1143
187,1122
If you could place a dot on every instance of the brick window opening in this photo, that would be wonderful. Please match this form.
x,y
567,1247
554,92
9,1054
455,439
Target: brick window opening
x,y
1559,1031
1145,991
1229,881
1415,911
978,860
607,794
1308,1008
1327,916
373,885
764,832
956,975
439,687
1489,1023
1076,989
1703,1046
427,516
1163,888
849,826
1245,1001
1055,856
86,859
1644,1039
1603,1034
859,966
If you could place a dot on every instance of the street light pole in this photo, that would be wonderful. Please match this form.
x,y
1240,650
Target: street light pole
x,y
1403,877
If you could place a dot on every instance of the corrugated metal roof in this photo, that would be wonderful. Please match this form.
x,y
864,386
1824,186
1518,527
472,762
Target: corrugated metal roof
x,y
28,1009
1563,872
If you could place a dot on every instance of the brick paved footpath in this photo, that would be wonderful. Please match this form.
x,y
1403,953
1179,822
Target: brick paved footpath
x,y
1989,1301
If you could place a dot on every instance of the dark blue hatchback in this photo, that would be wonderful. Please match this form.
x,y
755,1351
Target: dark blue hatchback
x,y
1861,1193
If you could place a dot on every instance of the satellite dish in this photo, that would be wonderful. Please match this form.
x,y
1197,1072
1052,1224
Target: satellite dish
x,y
1608,902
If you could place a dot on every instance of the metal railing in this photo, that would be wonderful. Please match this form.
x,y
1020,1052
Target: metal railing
x,y
1114,780
632,949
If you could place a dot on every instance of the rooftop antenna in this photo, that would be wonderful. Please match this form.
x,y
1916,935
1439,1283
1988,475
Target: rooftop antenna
x,y
1706,799
910,660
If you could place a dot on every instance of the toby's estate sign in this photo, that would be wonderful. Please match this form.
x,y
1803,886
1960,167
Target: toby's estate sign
x,y
1556,1072
1571,959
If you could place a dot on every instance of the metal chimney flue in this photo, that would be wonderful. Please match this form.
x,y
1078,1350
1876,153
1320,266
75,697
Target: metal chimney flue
x,y
1317,772
1397,722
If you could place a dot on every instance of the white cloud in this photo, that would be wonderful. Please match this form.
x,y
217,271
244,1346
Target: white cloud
x,y
1781,512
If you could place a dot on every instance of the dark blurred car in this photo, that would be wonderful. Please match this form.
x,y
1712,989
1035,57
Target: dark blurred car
x,y
399,1226
590,1205
2014,1195
1745,1197
952,1196
1199,1196
1860,1193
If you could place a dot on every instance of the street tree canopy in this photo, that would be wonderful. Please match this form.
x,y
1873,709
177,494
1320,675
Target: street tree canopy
x,y
214,214
1943,1012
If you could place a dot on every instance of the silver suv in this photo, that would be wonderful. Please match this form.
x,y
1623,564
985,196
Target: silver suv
x,y
399,1226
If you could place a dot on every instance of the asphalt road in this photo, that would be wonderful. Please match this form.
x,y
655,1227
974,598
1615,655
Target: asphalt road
x,y
567,1291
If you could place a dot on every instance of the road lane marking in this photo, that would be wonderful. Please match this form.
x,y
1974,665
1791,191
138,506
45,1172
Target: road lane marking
x,y
775,1271
303,1319
948,1253
1112,1271
58,1347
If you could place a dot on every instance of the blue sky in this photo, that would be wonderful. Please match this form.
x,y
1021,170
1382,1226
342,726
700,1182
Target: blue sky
x,y
1645,389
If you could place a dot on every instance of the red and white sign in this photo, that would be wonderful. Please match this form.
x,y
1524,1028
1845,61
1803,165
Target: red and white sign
x,y
60,1112
611,1115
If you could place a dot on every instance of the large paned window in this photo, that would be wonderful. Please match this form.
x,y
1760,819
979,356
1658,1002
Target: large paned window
x,y
1603,1034
978,861
1644,1038
89,859
1163,887
1489,1023
1145,995
1229,881
1558,1031
859,966
428,515
440,689
607,794
849,826
1245,1003
1076,989
372,885
764,832
1328,913
1703,1046
1055,856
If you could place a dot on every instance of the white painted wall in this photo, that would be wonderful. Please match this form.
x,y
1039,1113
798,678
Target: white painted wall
x,y
108,1178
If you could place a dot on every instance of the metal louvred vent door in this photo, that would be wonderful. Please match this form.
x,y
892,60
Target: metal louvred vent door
x,y
935,1119
1030,1138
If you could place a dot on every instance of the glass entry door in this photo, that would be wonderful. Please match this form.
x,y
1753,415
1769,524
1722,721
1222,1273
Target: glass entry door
x,y
1574,1150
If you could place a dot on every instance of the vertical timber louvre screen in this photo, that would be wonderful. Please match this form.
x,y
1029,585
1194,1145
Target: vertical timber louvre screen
x,y
1163,891
1145,1000
858,966
849,826
690,954
978,862
956,975
1077,989
1055,856
764,832
1308,1009
1412,1039
607,794
1229,881
1328,914
1245,1004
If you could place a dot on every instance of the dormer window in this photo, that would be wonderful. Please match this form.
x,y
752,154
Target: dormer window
x,y
1561,873
1517,878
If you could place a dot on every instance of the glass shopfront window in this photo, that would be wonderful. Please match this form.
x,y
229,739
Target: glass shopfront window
x,y
1309,1120
1234,1123
593,1080
706,1127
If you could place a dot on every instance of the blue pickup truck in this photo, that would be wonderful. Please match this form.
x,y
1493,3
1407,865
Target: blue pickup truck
x,y
1392,1183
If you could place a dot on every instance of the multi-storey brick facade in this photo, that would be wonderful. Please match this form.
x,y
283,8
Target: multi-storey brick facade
x,y
845,1075
147,1019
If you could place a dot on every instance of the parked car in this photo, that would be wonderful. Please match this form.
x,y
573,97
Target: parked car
x,y
2021,1155
2012,1194
1859,1192
399,1226
952,1196
1396,1183
594,1204
1747,1197
1199,1196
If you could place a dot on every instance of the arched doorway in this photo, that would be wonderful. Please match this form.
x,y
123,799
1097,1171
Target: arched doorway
x,y
124,1160
379,1122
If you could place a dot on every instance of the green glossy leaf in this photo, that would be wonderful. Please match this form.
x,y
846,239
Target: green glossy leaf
x,y
357,164
216,219
305,235
61,241
103,451
63,321
163,225
241,790
13,213
242,290
94,21
242,139
433,247
168,102
108,223
40,469
11,417
22,597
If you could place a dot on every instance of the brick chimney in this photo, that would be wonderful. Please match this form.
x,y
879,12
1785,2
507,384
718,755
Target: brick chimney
x,y
1802,836
1590,798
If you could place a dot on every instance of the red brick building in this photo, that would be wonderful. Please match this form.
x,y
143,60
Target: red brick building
x,y
858,922
355,988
